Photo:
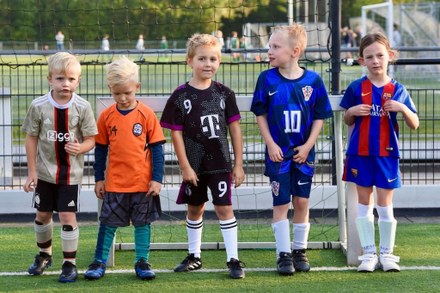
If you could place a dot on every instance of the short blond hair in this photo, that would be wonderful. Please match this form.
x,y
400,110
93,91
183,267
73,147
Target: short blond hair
x,y
201,40
296,33
61,62
122,70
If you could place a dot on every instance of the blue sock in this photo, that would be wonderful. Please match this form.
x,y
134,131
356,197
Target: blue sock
x,y
142,242
106,235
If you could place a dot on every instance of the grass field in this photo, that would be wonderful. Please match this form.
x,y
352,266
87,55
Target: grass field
x,y
417,245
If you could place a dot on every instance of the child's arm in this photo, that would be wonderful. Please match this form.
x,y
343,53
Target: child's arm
x,y
237,144
155,184
31,154
188,174
302,152
411,118
275,152
358,110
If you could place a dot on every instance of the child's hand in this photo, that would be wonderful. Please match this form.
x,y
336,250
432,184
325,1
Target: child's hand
x,y
100,189
361,110
301,154
30,184
275,153
393,106
154,188
238,175
73,147
189,176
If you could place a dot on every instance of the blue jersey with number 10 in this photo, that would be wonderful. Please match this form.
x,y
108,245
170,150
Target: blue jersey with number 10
x,y
291,107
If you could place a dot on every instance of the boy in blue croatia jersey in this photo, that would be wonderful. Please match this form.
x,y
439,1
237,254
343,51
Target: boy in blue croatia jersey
x,y
372,104
290,103
199,114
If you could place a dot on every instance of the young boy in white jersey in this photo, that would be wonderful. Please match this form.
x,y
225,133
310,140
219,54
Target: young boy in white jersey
x,y
199,114
60,127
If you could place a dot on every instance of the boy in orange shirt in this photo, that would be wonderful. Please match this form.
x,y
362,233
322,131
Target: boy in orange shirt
x,y
130,131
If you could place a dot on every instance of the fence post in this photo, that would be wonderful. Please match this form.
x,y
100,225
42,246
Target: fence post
x,y
5,137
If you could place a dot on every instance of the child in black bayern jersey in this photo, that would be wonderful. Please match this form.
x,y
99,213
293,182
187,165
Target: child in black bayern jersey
x,y
199,114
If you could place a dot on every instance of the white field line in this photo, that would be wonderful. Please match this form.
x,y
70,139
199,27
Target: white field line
x,y
319,269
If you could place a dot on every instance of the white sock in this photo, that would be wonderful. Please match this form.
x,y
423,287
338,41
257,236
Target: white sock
x,y
43,234
364,210
281,231
229,232
385,213
194,231
300,235
69,240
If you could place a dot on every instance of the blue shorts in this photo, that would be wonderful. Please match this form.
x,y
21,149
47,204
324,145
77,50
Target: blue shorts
x,y
50,197
219,184
382,172
285,185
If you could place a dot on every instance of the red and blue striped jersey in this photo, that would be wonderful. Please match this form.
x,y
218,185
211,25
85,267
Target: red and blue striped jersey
x,y
378,133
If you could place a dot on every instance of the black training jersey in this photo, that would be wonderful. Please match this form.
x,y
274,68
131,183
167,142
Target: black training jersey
x,y
203,116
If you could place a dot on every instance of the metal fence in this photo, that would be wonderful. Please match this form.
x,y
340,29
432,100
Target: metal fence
x,y
23,78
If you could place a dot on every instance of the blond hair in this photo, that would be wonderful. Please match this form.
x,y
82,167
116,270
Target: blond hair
x,y
62,62
201,40
296,33
122,70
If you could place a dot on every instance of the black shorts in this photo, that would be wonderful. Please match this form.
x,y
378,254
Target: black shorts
x,y
50,197
118,209
219,185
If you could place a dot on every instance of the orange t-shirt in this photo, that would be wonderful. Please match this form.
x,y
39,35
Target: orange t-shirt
x,y
129,165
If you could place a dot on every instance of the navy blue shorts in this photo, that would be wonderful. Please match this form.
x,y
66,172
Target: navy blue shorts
x,y
382,172
219,185
49,197
286,185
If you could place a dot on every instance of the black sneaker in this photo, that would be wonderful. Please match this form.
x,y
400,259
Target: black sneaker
x,y
190,263
41,262
143,270
285,264
235,268
68,273
300,261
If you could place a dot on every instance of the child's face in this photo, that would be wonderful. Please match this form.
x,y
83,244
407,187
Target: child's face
x,y
281,53
205,62
64,84
376,58
124,94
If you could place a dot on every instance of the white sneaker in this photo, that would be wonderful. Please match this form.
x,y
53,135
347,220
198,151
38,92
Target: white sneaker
x,y
389,262
369,262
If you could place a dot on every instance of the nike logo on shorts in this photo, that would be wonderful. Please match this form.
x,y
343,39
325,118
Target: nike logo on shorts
x,y
303,183
272,93
391,180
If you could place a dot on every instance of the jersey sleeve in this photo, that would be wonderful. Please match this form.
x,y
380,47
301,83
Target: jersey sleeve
x,y
348,100
31,124
154,130
172,117
232,111
102,136
323,108
258,106
88,124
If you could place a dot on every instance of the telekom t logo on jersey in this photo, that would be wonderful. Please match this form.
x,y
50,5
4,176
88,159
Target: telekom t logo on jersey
x,y
210,125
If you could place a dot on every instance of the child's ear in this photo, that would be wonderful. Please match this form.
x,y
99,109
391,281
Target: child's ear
x,y
361,61
138,86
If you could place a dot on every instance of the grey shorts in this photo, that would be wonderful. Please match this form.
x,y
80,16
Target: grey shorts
x,y
118,209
